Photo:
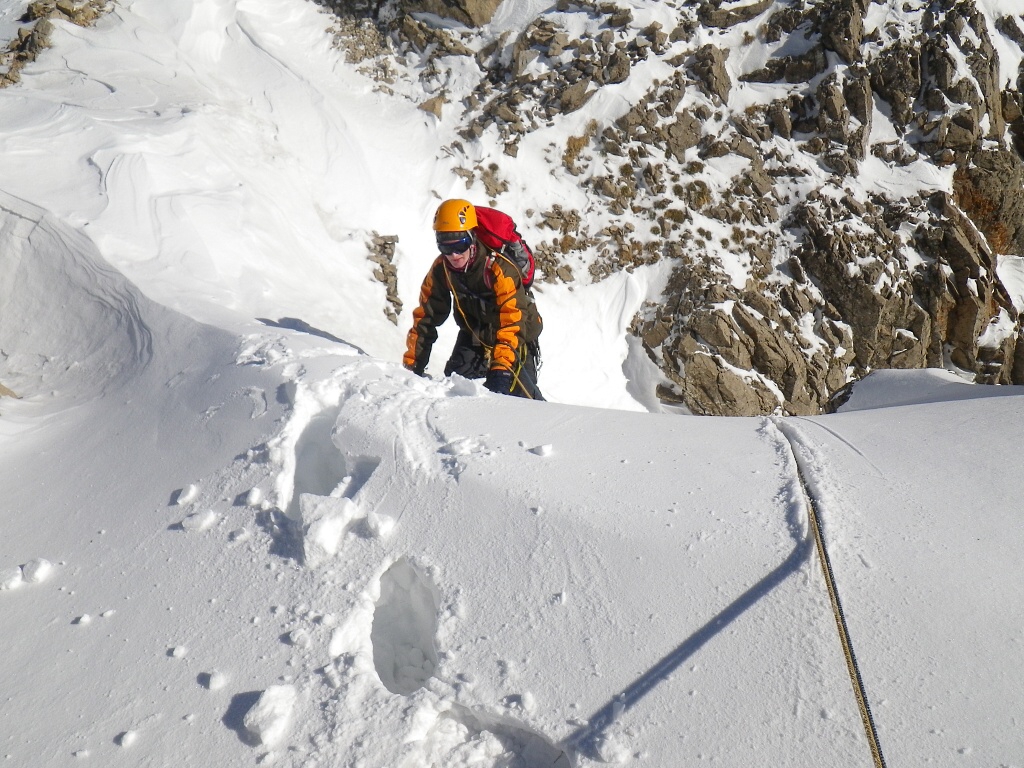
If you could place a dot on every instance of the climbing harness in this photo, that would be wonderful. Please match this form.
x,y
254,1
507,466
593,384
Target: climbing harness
x,y
488,349
466,324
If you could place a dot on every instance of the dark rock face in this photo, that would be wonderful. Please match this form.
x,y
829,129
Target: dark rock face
x,y
843,29
713,15
789,278
475,13
861,274
889,300
709,67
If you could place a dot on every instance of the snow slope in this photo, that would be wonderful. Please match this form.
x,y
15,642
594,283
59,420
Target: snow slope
x,y
230,541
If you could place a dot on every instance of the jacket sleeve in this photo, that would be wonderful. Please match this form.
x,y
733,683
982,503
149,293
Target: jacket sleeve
x,y
512,300
435,306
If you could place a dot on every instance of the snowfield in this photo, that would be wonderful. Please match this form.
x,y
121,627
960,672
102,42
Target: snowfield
x,y
237,532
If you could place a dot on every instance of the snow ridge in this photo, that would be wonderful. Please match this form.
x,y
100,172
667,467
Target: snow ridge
x,y
270,543
89,333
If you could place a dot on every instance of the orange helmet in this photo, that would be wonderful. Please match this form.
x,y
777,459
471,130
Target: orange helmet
x,y
455,216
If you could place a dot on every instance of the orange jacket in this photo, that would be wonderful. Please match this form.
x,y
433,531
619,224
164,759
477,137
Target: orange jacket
x,y
490,302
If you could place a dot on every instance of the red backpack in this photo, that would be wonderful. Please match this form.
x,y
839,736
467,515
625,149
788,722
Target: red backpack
x,y
498,232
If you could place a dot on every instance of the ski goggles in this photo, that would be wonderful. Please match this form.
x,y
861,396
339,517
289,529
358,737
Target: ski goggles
x,y
449,247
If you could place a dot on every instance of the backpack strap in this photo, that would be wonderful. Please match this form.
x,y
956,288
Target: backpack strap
x,y
488,276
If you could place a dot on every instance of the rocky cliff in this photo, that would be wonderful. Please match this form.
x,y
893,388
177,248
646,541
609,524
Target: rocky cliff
x,y
834,186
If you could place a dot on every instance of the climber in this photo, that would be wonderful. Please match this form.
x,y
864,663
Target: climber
x,y
485,272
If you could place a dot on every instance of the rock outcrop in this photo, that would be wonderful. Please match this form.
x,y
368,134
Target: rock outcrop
x,y
35,37
473,12
790,276
382,253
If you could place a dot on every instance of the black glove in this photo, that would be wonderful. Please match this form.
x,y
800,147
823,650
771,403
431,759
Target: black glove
x,y
499,380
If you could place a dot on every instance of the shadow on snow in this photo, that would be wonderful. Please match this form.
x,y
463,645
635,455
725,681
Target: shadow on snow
x,y
587,739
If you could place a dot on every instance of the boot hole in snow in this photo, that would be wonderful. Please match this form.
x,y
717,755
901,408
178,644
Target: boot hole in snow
x,y
319,465
404,624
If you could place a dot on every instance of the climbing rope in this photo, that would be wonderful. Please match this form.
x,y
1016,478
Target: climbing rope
x,y
488,350
837,611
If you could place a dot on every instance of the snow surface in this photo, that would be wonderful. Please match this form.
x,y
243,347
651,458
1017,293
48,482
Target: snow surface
x,y
235,530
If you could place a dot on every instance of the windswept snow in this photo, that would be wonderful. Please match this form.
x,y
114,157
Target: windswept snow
x,y
236,531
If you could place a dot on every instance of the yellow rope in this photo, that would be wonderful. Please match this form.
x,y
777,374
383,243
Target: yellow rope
x,y
458,306
515,374
844,633
833,595
488,349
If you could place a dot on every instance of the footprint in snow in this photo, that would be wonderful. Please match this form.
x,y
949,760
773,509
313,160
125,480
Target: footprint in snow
x,y
258,398
320,466
460,448
404,624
